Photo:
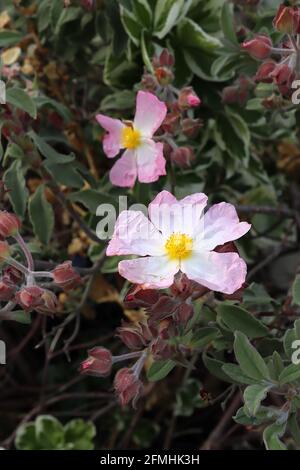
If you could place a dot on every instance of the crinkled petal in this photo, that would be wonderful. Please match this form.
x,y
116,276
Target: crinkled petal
x,y
112,140
153,272
150,161
134,234
221,272
220,225
150,113
124,171
170,215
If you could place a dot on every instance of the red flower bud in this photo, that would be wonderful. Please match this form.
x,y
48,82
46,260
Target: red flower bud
x,y
287,20
131,337
184,313
263,73
171,123
30,297
9,224
98,364
283,76
4,251
166,59
65,276
12,275
188,98
127,386
7,290
259,47
190,127
164,76
49,303
183,156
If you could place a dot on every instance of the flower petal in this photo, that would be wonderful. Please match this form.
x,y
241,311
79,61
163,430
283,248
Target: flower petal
x,y
112,140
150,113
124,171
221,272
170,215
153,272
150,161
134,234
220,225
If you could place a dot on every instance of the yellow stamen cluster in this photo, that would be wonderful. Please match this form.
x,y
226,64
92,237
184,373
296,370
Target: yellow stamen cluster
x,y
179,246
131,138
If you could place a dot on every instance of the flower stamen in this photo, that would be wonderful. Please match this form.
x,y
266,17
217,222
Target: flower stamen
x,y
179,246
131,138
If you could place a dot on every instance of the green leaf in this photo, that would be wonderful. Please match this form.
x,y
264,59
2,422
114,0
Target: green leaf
x,y
143,13
272,436
145,53
79,435
251,362
215,367
15,182
131,25
49,432
119,100
20,99
48,152
290,374
237,375
159,370
227,23
253,396
237,318
67,16
296,290
203,336
168,14
190,34
41,215
9,38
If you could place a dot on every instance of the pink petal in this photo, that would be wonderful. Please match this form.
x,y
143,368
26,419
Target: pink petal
x,y
134,234
151,162
150,113
220,225
221,272
152,272
124,171
170,215
112,140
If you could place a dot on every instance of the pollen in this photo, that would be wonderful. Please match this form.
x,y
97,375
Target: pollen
x,y
179,246
131,138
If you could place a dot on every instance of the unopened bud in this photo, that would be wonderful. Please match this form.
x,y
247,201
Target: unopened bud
x,y
29,297
9,224
183,156
188,98
260,47
65,276
127,386
98,364
287,20
190,127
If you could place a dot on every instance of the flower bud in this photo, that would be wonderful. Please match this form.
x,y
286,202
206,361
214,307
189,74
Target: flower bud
x,y
283,76
263,73
9,224
184,313
166,59
65,276
164,76
260,47
171,123
98,364
287,20
4,251
190,127
7,290
127,386
30,297
188,98
183,156
49,303
131,337
12,275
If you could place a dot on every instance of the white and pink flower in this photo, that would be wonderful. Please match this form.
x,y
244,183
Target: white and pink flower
x,y
143,157
179,237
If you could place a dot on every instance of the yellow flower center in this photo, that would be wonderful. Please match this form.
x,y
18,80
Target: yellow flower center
x,y
131,138
179,246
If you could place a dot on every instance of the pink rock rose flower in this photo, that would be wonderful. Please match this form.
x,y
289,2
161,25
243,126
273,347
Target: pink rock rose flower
x,y
143,157
180,237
